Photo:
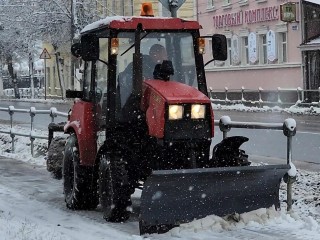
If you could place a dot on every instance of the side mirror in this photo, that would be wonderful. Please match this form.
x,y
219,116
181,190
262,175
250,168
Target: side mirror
x,y
76,50
74,94
90,47
219,47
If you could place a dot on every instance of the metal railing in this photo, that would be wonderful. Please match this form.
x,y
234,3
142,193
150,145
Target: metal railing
x,y
53,112
289,130
280,96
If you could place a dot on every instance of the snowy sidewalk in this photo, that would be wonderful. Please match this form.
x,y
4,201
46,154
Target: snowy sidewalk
x,y
31,204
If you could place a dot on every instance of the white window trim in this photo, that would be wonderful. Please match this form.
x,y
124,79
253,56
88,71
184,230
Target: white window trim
x,y
210,7
243,3
282,27
227,4
261,1
244,32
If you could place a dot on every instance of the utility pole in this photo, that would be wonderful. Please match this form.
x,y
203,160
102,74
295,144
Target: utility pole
x,y
31,74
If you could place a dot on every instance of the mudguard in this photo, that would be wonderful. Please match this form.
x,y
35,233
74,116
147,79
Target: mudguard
x,y
227,153
172,197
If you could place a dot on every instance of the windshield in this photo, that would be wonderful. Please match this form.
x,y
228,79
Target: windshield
x,y
156,47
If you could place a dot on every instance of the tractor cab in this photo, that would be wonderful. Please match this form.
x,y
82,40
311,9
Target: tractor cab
x,y
121,53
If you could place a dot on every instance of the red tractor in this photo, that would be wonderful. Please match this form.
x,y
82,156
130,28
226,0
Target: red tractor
x,y
141,122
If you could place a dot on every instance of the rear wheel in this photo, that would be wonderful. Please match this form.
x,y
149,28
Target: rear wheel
x,y
114,188
80,183
55,156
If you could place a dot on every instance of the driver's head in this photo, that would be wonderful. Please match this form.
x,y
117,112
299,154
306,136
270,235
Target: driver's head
x,y
158,53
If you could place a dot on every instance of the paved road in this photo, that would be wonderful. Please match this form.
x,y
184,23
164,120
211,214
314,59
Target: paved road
x,y
305,123
270,143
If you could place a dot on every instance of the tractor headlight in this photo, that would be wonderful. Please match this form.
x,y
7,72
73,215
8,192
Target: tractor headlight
x,y
198,111
175,112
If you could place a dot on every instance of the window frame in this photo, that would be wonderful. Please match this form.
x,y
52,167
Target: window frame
x,y
282,54
262,49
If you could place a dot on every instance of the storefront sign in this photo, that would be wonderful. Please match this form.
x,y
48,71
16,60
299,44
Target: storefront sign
x,y
288,12
235,50
248,17
252,47
271,46
261,15
230,19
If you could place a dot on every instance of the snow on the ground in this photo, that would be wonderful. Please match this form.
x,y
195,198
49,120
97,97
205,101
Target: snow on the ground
x,y
29,219
294,109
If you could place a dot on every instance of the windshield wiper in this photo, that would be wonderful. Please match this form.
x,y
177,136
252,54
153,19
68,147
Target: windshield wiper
x,y
134,44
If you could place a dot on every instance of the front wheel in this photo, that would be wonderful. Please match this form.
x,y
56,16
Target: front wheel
x,y
114,188
79,182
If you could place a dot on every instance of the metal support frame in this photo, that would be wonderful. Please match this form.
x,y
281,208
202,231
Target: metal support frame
x,y
289,130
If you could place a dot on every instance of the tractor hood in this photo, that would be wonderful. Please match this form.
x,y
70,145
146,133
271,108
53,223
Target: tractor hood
x,y
157,95
175,92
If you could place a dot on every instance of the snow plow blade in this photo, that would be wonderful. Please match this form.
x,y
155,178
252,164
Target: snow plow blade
x,y
172,197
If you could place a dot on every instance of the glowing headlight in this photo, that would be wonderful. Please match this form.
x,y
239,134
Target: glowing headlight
x,y
198,111
175,112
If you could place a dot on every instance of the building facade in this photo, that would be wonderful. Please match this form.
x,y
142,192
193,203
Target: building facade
x,y
133,7
263,51
310,46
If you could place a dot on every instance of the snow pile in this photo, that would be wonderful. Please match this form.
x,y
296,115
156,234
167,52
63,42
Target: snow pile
x,y
303,110
231,222
12,227
291,110
22,147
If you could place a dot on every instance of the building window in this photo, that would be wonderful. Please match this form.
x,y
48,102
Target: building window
x,y
263,58
229,60
210,4
245,51
282,52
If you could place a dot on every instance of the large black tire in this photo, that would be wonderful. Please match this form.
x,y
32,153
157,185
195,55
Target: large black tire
x,y
79,182
114,188
55,157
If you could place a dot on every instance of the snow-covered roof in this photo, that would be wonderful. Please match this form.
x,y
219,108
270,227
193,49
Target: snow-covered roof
x,y
147,22
313,1
104,22
311,45
314,41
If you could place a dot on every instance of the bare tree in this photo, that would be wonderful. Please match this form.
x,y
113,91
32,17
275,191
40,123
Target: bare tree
x,y
25,22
